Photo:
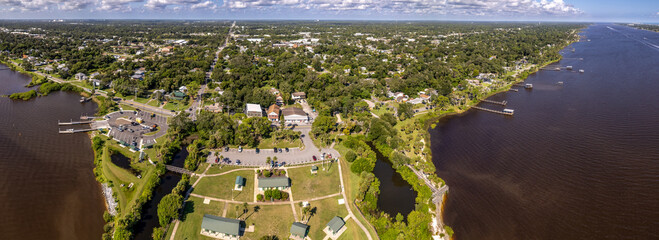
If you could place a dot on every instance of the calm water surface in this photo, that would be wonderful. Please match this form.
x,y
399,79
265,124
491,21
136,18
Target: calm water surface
x,y
578,161
47,188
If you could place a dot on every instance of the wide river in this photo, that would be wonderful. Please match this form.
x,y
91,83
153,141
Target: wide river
x,y
577,161
47,187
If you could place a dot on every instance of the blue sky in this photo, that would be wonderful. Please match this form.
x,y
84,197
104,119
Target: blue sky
x,y
512,10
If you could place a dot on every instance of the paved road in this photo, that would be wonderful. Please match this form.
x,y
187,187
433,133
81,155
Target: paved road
x,y
249,157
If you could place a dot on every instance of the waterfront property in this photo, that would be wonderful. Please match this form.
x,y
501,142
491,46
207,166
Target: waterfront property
x,y
280,183
219,227
299,230
240,183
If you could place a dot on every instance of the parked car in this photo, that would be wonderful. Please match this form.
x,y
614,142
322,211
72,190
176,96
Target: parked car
x,y
226,149
238,162
240,148
217,160
286,149
257,150
314,157
280,150
275,149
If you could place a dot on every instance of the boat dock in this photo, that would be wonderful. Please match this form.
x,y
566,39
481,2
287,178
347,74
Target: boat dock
x,y
72,123
507,112
502,103
75,130
514,90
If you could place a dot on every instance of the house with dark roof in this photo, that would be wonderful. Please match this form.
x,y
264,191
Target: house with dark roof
x,y
335,225
298,96
219,227
299,230
294,115
280,183
240,183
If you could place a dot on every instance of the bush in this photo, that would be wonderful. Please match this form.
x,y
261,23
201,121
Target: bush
x,y
23,95
267,173
168,208
362,165
158,233
259,197
351,156
274,194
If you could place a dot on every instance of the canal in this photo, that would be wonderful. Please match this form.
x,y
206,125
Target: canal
x,y
396,195
577,161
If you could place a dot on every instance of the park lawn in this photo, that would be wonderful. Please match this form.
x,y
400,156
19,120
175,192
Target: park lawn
x,y
383,109
118,176
153,103
326,209
82,84
269,220
269,143
142,100
193,214
220,168
175,105
306,185
222,186
352,232
201,168
126,107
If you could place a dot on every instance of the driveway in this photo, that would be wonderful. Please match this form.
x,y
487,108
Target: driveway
x,y
249,157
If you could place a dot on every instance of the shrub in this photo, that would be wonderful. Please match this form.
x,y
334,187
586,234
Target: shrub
x,y
23,95
351,156
259,197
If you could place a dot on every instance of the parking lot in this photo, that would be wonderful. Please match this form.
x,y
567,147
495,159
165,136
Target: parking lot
x,y
126,128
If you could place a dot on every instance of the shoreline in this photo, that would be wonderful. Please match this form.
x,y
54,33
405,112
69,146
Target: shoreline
x,y
431,123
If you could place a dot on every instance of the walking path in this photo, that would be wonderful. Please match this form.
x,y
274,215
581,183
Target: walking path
x,y
350,214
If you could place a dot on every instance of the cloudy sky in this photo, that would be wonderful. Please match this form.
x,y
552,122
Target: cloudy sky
x,y
516,10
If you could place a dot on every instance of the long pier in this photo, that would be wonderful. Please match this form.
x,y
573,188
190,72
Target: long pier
x,y
514,90
493,111
75,130
437,193
502,103
73,122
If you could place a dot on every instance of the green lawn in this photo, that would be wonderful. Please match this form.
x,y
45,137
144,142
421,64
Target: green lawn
x,y
222,186
326,209
175,105
141,100
127,108
269,143
217,168
353,231
190,224
153,103
118,176
306,185
269,220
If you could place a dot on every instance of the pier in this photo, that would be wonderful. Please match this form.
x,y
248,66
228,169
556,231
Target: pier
x,y
502,103
507,113
75,130
437,193
514,90
73,123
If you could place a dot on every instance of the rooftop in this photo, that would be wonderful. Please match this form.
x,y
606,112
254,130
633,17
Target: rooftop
x,y
336,224
240,180
222,225
293,111
253,107
274,182
299,229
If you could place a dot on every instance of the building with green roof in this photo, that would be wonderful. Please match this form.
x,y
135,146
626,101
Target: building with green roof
x,y
314,169
219,227
299,230
280,183
240,182
336,224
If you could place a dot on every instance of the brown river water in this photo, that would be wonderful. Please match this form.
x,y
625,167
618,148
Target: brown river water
x,y
576,161
47,187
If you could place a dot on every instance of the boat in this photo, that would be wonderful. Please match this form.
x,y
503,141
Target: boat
x,y
568,67
528,86
509,111
581,70
560,83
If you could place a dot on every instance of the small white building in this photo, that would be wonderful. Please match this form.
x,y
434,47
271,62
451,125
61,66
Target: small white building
x,y
298,95
81,76
294,115
253,110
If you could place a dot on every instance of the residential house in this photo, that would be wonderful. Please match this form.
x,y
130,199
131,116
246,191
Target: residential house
x,y
298,96
219,227
240,183
336,224
281,183
176,95
299,230
294,115
253,110
279,100
80,76
137,77
48,69
183,89
273,113
215,107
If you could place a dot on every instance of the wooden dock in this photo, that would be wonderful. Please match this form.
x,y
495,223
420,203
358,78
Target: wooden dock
x,y
73,123
493,111
502,103
75,130
514,90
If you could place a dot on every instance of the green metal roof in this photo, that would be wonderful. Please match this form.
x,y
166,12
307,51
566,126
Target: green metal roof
x,y
299,229
336,224
314,167
178,94
222,225
240,180
274,182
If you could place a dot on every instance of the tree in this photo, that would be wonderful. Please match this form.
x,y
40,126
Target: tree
x,y
350,156
323,124
158,233
405,111
168,208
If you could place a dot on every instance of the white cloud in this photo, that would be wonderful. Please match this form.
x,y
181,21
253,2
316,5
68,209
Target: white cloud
x,y
205,5
116,5
450,7
40,5
162,4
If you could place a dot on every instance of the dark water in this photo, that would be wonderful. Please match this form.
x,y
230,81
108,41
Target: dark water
x,y
396,195
144,228
579,161
47,188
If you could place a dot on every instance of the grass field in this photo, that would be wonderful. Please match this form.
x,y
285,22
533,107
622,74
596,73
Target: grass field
x,y
153,103
352,232
126,107
306,185
326,209
269,220
269,143
222,186
119,176
217,168
194,211
175,105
